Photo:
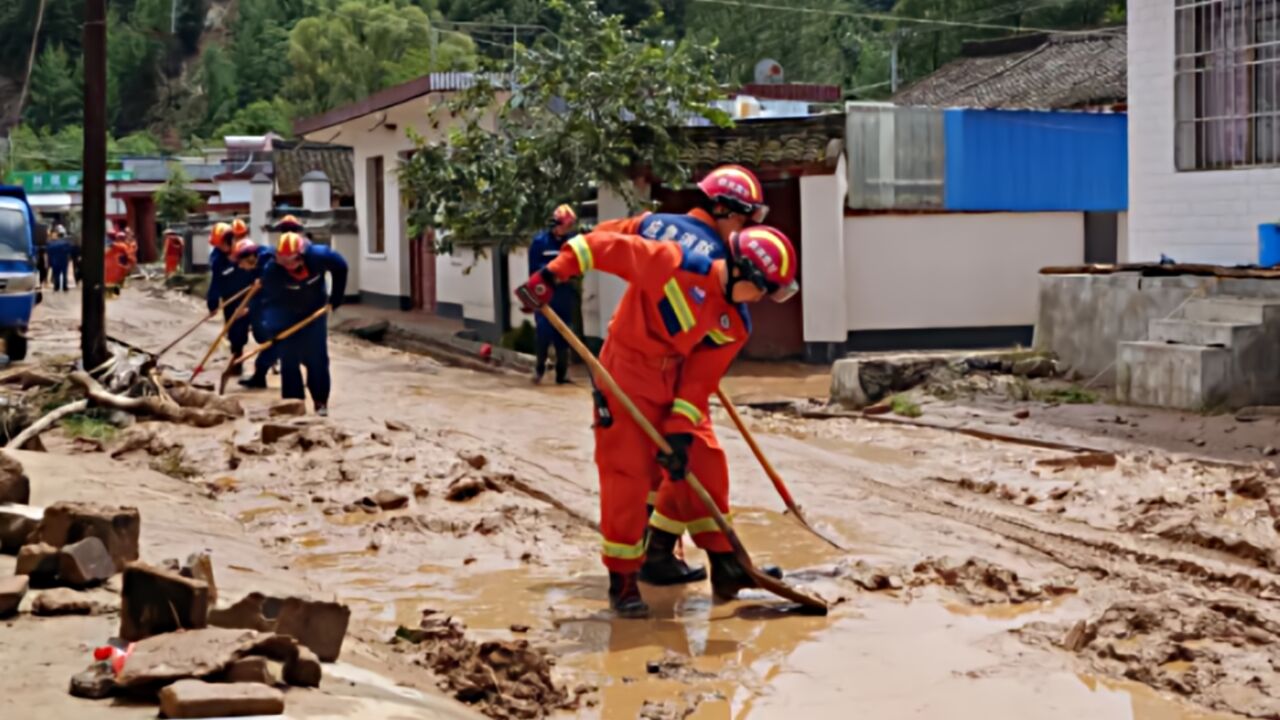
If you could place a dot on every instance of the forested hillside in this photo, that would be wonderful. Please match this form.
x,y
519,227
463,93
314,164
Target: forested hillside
x,y
183,72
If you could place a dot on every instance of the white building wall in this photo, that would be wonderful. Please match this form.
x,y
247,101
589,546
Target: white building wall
x,y
465,278
602,292
235,191
823,286
1209,217
381,273
951,270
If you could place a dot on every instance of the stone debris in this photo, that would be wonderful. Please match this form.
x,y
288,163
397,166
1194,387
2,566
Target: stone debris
x,y
156,601
65,601
95,683
197,654
397,426
390,500
286,408
1033,367
116,527
39,561
15,487
318,626
17,522
147,436
273,433
303,670
1084,460
85,563
199,699
465,488
199,566
249,670
476,460
12,590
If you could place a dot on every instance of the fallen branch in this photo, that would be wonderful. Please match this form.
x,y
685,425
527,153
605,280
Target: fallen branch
x,y
46,422
153,406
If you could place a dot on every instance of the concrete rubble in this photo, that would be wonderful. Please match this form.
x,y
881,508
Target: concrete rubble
x,y
155,601
198,699
12,590
65,601
15,487
17,522
286,408
40,562
318,626
85,563
67,522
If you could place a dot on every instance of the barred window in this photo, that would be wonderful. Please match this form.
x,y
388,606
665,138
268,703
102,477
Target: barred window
x,y
1227,84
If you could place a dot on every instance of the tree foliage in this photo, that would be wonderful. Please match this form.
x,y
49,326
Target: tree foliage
x,y
56,99
591,108
174,199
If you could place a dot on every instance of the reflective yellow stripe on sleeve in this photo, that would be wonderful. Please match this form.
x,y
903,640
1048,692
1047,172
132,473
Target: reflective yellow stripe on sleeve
x,y
718,337
586,261
686,409
675,295
653,498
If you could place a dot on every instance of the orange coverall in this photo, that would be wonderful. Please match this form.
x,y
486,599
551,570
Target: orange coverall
x,y
671,339
118,261
172,253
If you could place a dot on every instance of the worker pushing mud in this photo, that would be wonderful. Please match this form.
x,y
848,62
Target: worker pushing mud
x,y
678,327
732,198
545,247
293,288
252,258
225,281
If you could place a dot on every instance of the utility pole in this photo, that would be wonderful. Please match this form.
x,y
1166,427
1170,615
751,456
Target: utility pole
x,y
93,308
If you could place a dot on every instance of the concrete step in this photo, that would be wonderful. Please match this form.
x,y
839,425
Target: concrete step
x,y
1192,377
1202,332
1229,309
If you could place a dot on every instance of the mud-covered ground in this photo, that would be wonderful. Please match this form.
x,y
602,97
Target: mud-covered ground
x,y
981,579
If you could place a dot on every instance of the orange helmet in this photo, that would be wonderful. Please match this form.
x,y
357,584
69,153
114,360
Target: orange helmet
x,y
764,256
563,216
220,235
243,247
737,189
291,245
238,228
289,223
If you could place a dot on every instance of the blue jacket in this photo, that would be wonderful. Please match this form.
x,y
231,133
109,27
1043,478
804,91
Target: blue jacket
x,y
287,299
59,253
266,255
544,248
226,278
695,237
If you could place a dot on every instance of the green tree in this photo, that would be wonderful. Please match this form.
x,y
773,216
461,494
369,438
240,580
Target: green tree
x,y
174,199
55,99
133,72
218,80
258,118
350,50
137,144
260,46
585,112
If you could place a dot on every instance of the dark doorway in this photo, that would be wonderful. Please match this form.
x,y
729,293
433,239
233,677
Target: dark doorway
x,y
1100,237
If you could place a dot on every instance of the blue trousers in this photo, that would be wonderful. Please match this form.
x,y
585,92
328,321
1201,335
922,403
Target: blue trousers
x,y
262,364
60,277
308,348
238,336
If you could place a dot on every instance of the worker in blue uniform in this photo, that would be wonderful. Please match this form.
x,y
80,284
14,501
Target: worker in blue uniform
x,y
545,247
253,258
59,253
293,288
226,279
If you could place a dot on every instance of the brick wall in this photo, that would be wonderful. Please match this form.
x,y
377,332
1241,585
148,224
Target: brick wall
x,y
1190,216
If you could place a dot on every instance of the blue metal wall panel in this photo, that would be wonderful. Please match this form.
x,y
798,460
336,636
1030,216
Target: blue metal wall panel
x,y
1034,161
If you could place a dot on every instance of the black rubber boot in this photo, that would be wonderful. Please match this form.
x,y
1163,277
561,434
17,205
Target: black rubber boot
x,y
662,567
624,596
254,382
728,576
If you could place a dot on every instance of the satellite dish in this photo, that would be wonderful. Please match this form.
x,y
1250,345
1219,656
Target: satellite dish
x,y
769,72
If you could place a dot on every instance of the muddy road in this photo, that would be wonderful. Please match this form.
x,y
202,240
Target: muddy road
x,y
982,579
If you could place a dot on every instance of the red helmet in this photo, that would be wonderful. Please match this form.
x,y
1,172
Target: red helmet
x,y
243,247
220,235
764,256
564,215
238,228
736,188
291,245
289,223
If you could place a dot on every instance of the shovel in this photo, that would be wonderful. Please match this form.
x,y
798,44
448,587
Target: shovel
x,y
808,604
225,302
778,484
226,328
226,374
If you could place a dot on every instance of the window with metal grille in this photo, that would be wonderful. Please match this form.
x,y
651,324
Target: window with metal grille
x,y
1226,84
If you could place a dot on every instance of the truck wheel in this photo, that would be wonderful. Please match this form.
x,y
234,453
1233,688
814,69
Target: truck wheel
x,y
15,345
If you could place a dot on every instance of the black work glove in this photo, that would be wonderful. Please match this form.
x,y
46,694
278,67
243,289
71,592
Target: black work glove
x,y
677,461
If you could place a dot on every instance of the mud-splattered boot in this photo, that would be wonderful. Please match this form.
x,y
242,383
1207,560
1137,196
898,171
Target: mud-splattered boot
x,y
662,567
624,596
728,576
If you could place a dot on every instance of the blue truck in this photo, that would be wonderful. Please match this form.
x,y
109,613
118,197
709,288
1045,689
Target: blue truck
x,y
19,284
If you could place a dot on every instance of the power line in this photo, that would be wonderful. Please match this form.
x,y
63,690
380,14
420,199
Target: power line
x,y
883,17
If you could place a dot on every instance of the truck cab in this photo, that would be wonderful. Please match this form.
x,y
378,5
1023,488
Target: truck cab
x,y
19,284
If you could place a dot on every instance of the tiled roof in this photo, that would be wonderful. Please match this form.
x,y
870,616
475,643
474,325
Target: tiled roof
x,y
761,144
292,160
1029,71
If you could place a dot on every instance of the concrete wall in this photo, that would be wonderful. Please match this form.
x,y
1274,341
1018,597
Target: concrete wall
x,y
824,286
1122,238
951,270
602,292
235,191
465,279
1083,318
1209,217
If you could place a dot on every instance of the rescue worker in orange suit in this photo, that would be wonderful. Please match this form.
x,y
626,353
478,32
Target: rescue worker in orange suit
x,y
544,248
117,261
172,251
676,331
293,287
225,280
252,258
732,199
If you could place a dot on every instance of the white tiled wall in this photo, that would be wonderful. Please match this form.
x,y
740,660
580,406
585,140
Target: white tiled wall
x,y
1190,216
